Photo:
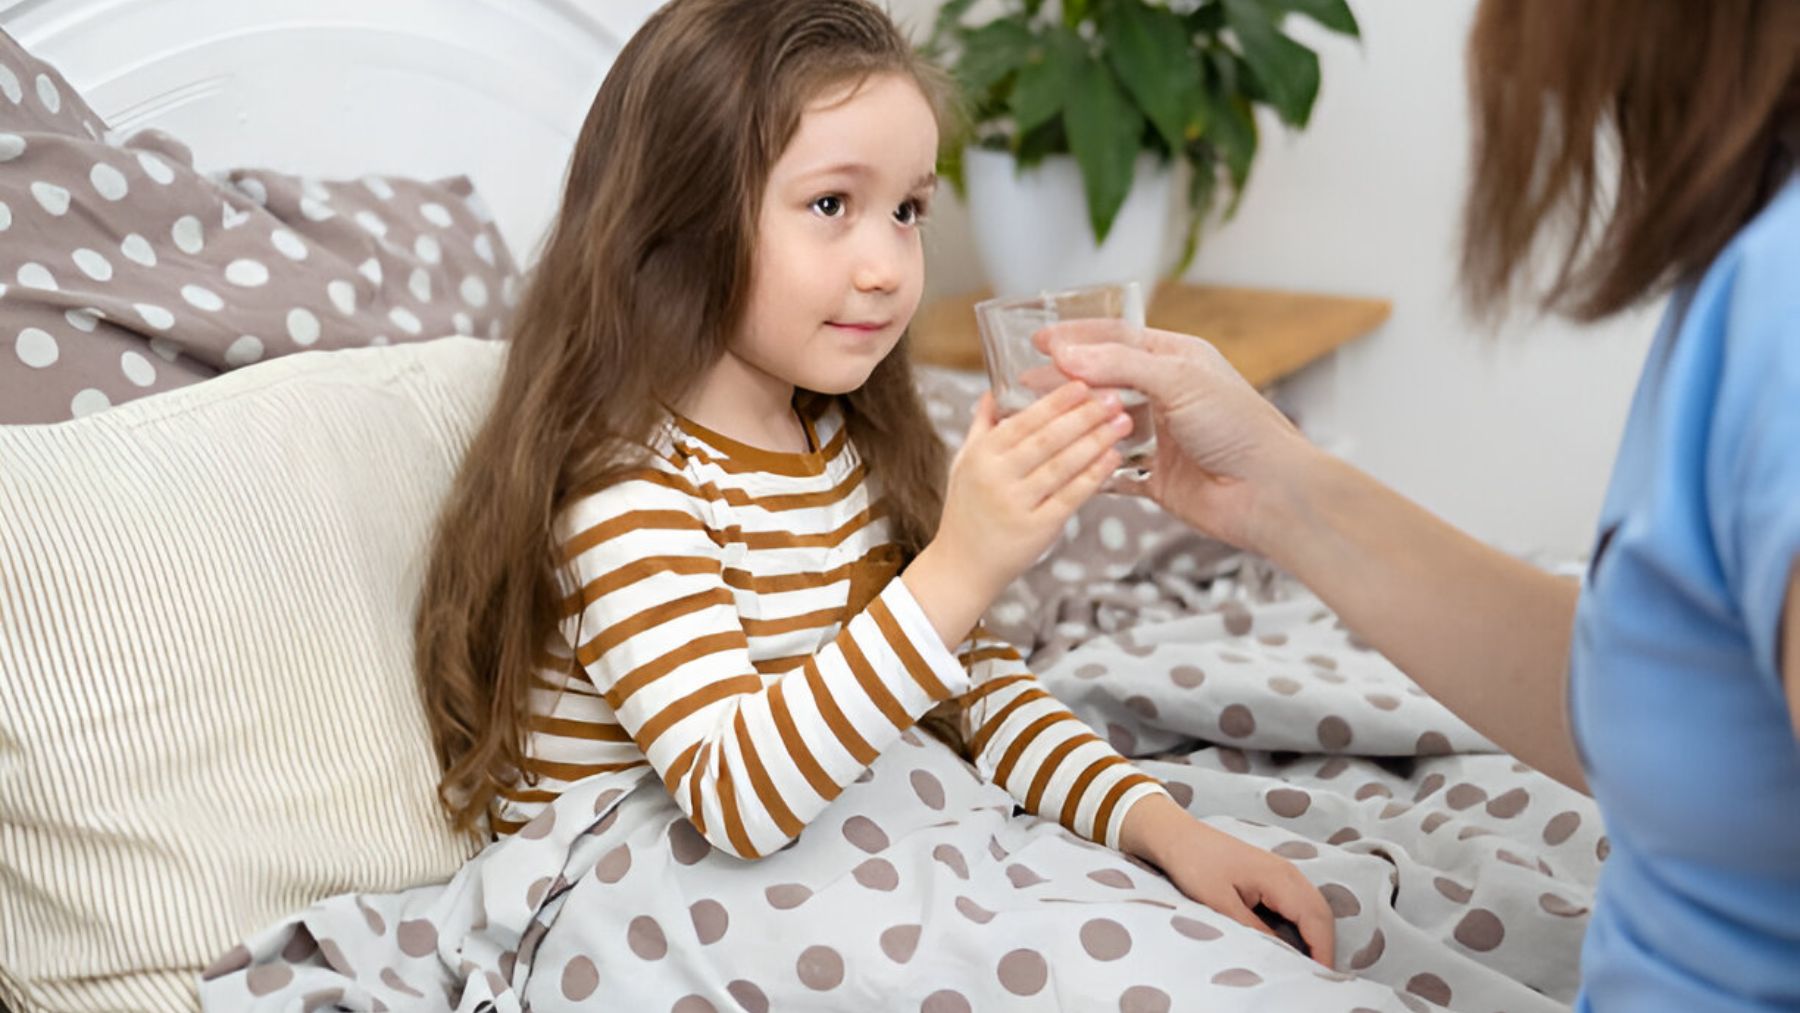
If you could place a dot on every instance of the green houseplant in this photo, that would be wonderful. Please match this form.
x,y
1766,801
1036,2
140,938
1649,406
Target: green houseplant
x,y
1107,82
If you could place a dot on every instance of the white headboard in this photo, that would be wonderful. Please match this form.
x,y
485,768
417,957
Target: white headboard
x,y
494,89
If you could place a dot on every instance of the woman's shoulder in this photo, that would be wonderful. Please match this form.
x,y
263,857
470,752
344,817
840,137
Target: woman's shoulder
x,y
1763,259
1775,231
1746,307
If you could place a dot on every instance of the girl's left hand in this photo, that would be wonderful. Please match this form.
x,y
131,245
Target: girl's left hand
x,y
1229,875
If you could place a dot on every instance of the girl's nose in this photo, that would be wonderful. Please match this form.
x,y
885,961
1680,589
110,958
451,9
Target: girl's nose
x,y
877,276
878,269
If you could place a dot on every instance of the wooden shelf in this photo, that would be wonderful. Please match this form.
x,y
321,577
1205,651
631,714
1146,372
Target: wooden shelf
x,y
1266,334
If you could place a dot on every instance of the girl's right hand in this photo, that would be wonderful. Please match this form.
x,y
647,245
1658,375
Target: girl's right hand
x,y
1015,482
1222,450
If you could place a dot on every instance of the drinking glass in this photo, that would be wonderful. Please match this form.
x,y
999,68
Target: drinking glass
x,y
1020,373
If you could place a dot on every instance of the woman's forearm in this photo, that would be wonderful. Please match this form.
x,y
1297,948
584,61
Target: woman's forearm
x,y
1483,632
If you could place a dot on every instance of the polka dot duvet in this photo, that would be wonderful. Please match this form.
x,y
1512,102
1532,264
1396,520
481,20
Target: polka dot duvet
x,y
1460,878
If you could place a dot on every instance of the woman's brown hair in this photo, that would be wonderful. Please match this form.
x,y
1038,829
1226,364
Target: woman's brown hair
x,y
1700,102
643,278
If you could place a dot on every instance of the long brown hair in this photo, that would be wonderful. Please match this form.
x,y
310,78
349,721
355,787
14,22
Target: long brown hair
x,y
641,281
1647,132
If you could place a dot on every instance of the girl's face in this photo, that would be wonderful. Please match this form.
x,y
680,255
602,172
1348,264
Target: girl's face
x,y
838,266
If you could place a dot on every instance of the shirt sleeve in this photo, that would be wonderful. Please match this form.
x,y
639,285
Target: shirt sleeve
x,y
1754,452
751,759
1024,739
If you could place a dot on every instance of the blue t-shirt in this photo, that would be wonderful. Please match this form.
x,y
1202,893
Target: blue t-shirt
x,y
1675,687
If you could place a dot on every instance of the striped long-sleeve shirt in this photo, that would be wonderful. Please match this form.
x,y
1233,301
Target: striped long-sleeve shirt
x,y
734,621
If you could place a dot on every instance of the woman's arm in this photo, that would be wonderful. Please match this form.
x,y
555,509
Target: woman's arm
x,y
1485,633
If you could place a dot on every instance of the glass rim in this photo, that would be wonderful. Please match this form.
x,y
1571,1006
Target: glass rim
x,y
1004,302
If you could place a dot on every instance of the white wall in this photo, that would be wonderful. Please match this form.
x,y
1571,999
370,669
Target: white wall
x,y
1509,435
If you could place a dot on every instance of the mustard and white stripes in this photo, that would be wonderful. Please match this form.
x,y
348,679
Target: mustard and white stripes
x,y
732,619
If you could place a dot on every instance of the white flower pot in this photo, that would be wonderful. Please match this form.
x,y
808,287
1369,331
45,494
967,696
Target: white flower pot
x,y
1032,230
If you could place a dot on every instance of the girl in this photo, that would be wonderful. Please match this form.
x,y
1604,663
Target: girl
x,y
706,528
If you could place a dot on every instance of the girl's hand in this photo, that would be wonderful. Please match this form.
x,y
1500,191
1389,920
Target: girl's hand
x,y
1229,875
1221,448
1015,483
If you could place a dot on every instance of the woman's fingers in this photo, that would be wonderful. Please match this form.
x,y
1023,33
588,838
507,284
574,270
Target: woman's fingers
x,y
1115,365
1110,330
1041,380
1086,331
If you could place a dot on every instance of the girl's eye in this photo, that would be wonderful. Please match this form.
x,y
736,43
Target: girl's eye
x,y
830,205
909,213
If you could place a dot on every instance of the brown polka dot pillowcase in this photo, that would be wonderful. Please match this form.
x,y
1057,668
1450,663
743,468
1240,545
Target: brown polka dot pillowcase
x,y
35,96
125,271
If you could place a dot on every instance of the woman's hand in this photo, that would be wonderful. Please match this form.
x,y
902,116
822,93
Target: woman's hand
x,y
1220,444
1013,485
1229,875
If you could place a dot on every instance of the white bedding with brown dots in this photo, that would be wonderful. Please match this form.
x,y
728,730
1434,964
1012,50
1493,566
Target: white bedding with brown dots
x,y
1460,878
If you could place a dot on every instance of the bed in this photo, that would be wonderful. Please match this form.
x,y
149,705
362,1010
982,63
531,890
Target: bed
x,y
1461,879
338,88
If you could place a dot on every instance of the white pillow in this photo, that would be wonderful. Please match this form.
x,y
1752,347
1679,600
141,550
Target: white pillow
x,y
208,717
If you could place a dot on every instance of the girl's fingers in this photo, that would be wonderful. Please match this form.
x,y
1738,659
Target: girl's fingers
x,y
1065,431
1069,497
981,423
1300,902
1039,413
984,419
1054,476
1232,906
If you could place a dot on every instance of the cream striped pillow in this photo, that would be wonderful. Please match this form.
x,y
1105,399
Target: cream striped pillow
x,y
207,712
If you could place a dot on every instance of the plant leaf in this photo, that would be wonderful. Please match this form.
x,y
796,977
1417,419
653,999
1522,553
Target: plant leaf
x,y
950,166
1233,134
1333,14
1287,71
1149,50
990,53
1206,19
1042,87
1049,139
952,11
1203,183
1104,129
944,27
